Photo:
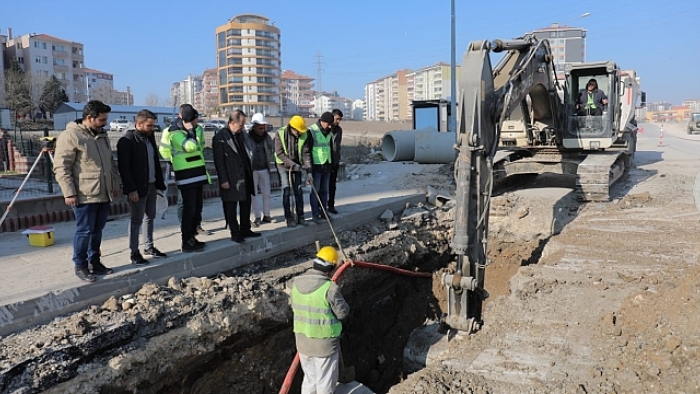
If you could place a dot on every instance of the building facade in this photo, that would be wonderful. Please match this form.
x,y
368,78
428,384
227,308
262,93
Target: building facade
x,y
209,95
297,93
187,91
249,65
358,110
693,104
43,56
122,98
390,98
568,44
327,102
100,85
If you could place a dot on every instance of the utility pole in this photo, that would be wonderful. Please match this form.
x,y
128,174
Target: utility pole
x,y
453,77
319,70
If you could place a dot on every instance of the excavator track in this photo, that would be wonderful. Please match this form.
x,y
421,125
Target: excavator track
x,y
595,172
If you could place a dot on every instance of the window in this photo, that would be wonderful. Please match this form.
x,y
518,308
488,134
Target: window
x,y
553,34
221,40
58,48
37,59
36,44
45,60
43,45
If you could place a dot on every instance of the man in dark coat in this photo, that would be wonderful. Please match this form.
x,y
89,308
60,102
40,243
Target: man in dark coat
x,y
142,179
233,168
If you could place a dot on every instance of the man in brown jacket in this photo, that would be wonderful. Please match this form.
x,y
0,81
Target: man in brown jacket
x,y
87,177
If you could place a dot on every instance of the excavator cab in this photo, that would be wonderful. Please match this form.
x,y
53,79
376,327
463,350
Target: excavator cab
x,y
590,129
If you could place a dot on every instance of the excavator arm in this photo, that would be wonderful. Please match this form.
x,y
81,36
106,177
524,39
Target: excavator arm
x,y
487,97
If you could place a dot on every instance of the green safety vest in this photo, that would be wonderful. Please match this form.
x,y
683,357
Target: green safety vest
x,y
321,151
590,104
300,144
313,315
189,167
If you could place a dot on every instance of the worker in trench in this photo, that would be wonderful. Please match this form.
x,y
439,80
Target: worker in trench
x,y
319,308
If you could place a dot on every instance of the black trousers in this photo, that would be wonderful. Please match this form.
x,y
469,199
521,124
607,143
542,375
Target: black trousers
x,y
231,211
192,203
331,185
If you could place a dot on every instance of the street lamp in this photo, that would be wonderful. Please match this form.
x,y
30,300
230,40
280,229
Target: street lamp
x,y
584,15
453,76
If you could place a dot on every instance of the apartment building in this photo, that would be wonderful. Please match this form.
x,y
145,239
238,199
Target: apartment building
x,y
326,102
100,85
209,95
122,98
188,91
693,104
43,56
297,93
390,98
568,44
249,65
358,110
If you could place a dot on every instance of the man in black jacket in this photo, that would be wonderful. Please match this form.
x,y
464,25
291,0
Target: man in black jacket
x,y
336,142
235,175
142,180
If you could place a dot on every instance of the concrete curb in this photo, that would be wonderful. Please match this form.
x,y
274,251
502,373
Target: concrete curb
x,y
218,257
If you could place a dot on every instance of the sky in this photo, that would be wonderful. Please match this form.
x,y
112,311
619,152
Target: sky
x,y
150,44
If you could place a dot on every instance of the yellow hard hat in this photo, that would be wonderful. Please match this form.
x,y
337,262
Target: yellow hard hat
x,y
328,254
298,123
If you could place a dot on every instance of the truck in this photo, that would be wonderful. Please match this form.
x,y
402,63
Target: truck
x,y
521,117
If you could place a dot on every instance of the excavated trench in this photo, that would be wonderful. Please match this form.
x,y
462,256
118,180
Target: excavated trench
x,y
232,334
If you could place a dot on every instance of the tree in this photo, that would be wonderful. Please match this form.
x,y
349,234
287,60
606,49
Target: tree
x,y
152,100
52,96
18,89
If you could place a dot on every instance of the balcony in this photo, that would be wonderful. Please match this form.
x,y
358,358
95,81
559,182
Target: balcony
x,y
61,68
60,54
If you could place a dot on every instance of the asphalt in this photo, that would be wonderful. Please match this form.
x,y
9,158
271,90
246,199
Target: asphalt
x,y
40,283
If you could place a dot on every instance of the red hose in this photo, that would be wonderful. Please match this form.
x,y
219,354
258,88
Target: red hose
x,y
289,378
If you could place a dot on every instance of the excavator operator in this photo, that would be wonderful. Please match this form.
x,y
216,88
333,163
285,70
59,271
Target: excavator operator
x,y
591,100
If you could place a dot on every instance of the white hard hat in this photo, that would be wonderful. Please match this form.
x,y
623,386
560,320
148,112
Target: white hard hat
x,y
258,119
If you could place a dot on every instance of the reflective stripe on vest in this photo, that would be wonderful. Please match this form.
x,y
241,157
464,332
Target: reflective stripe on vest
x,y
313,315
300,144
321,151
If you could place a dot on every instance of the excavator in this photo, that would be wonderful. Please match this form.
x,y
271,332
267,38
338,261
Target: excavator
x,y
520,118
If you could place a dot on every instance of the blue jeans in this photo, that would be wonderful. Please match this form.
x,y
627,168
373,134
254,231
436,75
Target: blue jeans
x,y
321,182
90,220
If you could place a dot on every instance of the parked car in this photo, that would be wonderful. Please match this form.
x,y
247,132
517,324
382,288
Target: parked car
x,y
157,128
694,123
218,123
120,125
210,127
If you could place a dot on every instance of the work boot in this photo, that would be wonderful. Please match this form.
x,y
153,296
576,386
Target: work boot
x,y
302,221
237,238
137,259
266,219
332,210
291,223
152,251
192,245
99,269
84,274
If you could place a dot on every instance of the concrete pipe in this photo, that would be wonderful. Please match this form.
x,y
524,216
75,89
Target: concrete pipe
x,y
399,145
434,147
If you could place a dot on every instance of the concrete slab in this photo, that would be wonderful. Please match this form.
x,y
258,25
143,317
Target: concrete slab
x,y
39,284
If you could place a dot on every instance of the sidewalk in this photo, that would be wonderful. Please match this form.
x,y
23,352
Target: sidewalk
x,y
40,283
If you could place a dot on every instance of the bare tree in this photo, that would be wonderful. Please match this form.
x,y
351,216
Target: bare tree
x,y
152,100
18,89
37,83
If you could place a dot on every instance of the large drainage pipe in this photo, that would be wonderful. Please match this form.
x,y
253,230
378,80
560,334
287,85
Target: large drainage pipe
x,y
434,147
399,145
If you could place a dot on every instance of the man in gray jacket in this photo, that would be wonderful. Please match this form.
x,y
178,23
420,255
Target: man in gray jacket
x,y
264,167
89,182
318,309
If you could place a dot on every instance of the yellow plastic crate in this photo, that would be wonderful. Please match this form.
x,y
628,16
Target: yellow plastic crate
x,y
40,235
